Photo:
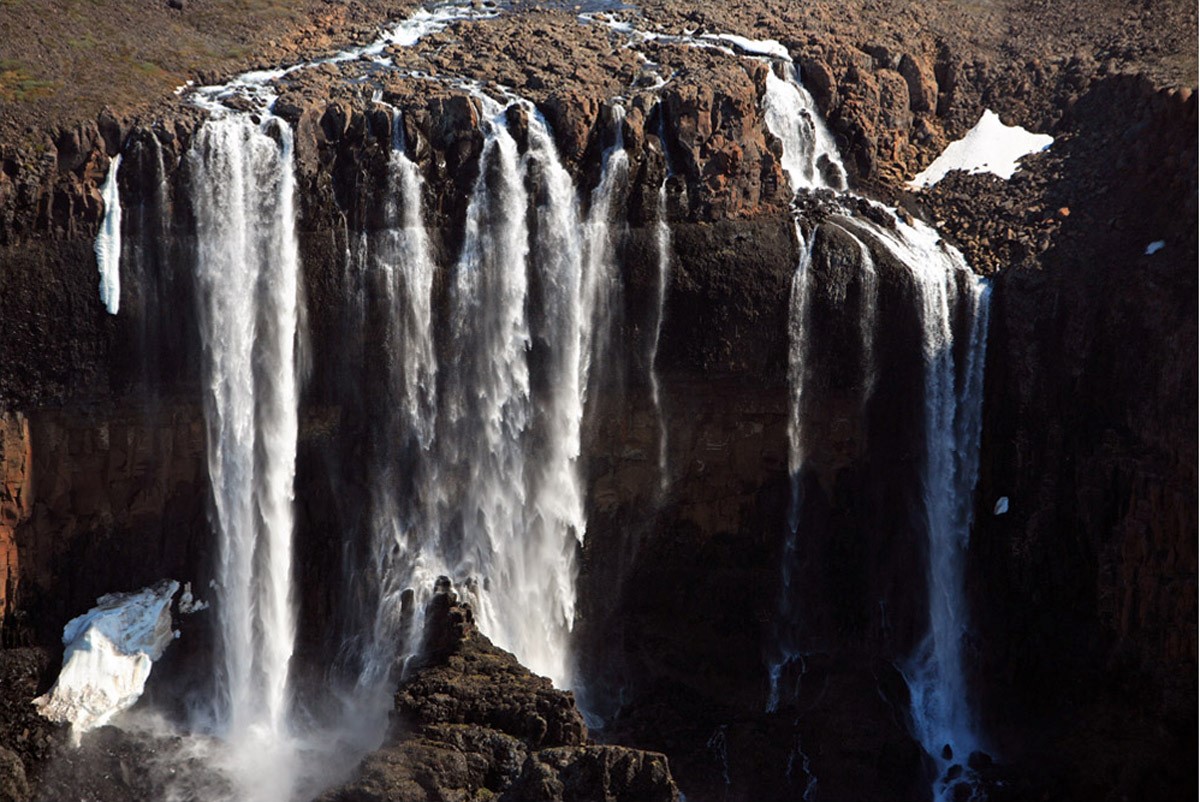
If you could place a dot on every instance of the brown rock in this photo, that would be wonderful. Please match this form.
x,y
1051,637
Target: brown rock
x,y
16,498
467,680
477,724
13,785
922,82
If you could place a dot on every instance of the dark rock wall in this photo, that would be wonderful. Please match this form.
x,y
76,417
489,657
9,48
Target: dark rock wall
x,y
1083,595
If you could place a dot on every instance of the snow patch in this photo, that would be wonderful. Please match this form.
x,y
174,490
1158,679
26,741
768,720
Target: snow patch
x,y
108,241
1001,506
1155,247
989,147
110,650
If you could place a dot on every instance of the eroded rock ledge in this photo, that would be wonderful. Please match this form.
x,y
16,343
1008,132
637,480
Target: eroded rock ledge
x,y
470,723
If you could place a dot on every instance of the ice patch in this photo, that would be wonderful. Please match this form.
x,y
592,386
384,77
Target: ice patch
x,y
108,241
110,649
989,147
1155,247
1001,506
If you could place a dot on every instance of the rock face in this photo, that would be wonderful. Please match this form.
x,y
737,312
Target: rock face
x,y
1098,459
13,785
1083,594
24,673
473,723
15,499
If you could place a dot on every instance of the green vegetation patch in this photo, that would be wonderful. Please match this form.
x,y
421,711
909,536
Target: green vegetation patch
x,y
17,85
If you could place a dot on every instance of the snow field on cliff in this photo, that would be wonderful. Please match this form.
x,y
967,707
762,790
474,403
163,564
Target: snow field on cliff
x,y
989,147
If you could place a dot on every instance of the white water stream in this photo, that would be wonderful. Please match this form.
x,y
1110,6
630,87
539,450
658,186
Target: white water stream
x,y
247,272
953,417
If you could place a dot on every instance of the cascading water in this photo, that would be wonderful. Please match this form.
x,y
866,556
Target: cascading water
x,y
404,261
247,273
810,161
499,507
798,347
810,157
942,718
601,282
953,417
798,344
108,240
493,496
662,242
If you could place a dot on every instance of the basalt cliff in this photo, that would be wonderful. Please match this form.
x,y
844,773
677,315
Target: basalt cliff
x,y
1080,654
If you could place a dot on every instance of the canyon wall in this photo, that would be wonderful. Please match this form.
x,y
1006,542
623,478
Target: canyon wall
x,y
1083,594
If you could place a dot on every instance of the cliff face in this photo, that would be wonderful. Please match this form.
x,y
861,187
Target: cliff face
x,y
1096,557
1082,595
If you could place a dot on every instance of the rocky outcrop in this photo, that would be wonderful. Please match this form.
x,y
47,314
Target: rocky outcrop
x,y
472,723
16,491
13,785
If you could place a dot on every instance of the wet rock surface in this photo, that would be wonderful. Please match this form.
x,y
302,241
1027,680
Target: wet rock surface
x,y
471,722
1083,594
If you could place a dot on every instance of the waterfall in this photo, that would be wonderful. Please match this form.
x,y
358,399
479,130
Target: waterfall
x,y
810,157
407,263
798,348
246,273
498,507
108,240
810,161
601,284
945,287
403,259
867,305
557,518
662,243
953,417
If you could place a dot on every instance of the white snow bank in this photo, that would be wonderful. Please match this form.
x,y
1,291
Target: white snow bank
x,y
108,241
1155,247
989,147
1001,506
110,649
